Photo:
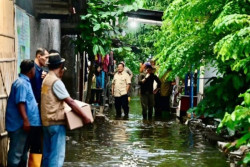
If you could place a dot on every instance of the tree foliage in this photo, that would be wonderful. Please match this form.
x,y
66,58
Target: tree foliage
x,y
129,57
200,32
102,23
160,5
240,118
99,26
195,33
239,121
141,41
218,99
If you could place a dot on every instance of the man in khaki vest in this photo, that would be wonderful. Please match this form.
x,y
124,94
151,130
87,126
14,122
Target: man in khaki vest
x,y
53,96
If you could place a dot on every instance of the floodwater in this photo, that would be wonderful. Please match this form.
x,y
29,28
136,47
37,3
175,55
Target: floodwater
x,y
134,142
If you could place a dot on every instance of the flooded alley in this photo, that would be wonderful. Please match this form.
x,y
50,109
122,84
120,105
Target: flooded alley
x,y
177,70
134,142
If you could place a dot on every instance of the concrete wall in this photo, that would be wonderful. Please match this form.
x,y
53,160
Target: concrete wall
x,y
26,5
210,72
70,77
207,73
44,33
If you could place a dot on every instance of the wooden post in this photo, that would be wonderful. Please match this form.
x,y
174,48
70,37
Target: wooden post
x,y
83,75
81,78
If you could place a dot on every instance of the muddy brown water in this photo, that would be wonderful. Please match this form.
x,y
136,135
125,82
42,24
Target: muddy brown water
x,y
130,143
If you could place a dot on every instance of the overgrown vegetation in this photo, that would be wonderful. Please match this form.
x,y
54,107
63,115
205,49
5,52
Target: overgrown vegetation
x,y
238,121
194,33
200,32
160,5
100,26
140,41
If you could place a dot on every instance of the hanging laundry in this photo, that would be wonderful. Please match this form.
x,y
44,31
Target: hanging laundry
x,y
106,63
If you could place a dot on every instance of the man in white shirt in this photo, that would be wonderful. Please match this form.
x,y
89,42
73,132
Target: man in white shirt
x,y
120,88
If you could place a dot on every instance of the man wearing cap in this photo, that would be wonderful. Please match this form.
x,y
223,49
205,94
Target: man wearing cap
x,y
21,113
120,87
53,96
146,81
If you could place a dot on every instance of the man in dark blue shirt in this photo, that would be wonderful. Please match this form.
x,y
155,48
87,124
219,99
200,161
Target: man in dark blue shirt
x,y
34,141
21,113
36,82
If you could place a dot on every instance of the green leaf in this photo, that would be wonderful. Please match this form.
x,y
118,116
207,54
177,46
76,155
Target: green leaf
x,y
237,82
127,48
103,41
106,26
85,17
96,27
120,50
95,49
102,50
247,99
243,140
246,160
94,40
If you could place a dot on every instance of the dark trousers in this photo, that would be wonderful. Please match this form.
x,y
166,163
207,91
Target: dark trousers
x,y
121,101
157,106
96,96
147,103
165,103
34,140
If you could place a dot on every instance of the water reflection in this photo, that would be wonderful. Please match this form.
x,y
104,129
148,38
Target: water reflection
x,y
135,142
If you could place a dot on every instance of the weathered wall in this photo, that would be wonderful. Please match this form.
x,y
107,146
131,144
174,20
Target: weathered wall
x,y
210,72
7,67
44,33
70,76
26,5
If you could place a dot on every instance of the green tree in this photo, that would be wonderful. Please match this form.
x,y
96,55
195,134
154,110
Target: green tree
x,y
198,32
156,4
141,41
239,121
99,26
195,33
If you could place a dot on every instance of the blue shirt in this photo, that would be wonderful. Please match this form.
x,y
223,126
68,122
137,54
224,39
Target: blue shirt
x,y
36,84
100,80
21,91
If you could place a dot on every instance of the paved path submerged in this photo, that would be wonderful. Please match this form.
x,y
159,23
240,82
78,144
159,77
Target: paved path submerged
x,y
135,142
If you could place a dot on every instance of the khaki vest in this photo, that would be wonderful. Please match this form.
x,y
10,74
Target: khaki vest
x,y
52,109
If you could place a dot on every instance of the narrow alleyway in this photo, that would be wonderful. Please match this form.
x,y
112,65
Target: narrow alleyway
x,y
135,142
